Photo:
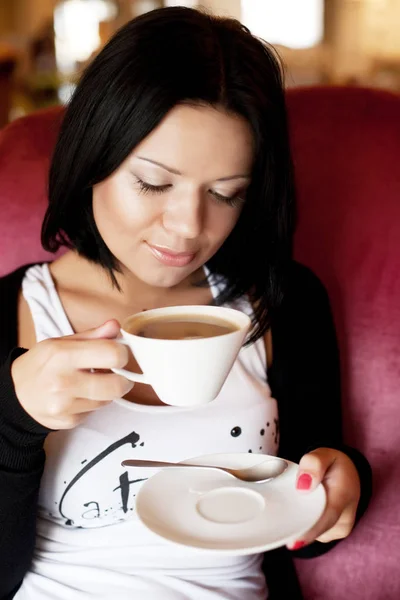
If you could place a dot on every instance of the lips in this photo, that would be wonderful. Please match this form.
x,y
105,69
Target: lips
x,y
168,257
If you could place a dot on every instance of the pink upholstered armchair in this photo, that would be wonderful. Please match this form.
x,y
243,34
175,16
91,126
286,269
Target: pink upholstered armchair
x,y
346,146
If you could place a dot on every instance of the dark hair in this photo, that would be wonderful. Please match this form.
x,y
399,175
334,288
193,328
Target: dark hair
x,y
156,61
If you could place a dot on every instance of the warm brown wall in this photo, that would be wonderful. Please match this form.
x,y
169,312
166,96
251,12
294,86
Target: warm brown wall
x,y
6,16
29,15
20,18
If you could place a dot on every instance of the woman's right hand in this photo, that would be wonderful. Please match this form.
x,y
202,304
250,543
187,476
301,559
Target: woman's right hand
x,y
54,383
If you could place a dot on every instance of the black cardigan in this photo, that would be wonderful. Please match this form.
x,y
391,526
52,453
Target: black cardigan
x,y
304,378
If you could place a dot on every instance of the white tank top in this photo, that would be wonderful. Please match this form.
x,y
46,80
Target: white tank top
x,y
90,543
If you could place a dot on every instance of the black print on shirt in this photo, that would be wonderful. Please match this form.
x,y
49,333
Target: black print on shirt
x,y
124,487
92,513
236,432
93,506
277,431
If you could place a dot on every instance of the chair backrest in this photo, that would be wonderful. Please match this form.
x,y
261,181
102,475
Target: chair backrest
x,y
346,147
26,146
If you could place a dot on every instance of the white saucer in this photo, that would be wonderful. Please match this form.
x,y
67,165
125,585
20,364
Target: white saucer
x,y
209,510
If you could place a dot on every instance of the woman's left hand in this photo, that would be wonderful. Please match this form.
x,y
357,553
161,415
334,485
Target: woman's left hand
x,y
337,473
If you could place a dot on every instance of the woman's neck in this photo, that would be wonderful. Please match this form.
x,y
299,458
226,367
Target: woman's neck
x,y
76,274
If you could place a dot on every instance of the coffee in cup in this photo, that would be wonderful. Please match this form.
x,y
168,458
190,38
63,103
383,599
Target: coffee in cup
x,y
182,327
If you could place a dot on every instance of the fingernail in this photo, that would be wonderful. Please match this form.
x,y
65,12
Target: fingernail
x,y
297,545
304,482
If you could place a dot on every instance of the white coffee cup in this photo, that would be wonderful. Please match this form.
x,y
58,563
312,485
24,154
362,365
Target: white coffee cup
x,y
185,372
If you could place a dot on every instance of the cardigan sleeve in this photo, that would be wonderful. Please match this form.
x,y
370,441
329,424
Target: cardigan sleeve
x,y
22,460
305,379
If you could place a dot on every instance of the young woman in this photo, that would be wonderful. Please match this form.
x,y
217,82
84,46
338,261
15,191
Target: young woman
x,y
171,184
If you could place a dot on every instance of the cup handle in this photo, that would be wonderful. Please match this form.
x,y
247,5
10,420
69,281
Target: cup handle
x,y
135,377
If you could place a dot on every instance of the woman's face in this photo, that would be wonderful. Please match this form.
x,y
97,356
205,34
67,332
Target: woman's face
x,y
172,203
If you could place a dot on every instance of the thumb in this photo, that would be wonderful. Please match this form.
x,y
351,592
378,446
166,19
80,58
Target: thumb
x,y
109,329
313,468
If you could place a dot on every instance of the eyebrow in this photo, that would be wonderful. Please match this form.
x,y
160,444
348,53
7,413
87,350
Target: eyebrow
x,y
175,172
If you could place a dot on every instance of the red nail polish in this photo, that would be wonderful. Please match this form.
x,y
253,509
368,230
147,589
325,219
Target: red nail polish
x,y
297,545
304,482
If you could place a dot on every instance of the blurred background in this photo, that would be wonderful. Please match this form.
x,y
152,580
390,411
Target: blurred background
x,y
45,44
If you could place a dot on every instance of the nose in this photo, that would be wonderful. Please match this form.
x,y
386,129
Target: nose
x,y
184,217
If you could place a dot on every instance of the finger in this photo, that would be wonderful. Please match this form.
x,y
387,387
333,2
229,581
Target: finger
x,y
100,386
83,405
341,529
342,520
90,354
313,468
336,523
328,521
109,329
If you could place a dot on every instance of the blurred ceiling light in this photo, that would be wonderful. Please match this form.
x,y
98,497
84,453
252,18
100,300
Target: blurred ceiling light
x,y
76,25
291,23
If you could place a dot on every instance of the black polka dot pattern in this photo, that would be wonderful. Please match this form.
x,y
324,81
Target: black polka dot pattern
x,y
236,431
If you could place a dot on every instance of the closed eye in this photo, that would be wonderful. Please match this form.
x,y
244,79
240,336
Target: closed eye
x,y
233,201
148,187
